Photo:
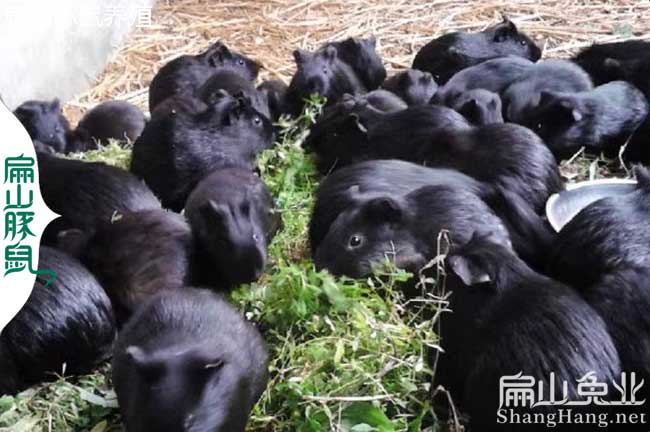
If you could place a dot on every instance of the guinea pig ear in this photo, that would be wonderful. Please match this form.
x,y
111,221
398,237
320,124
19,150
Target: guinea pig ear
x,y
55,105
383,209
545,98
148,366
73,241
467,270
202,359
469,109
214,211
302,56
330,53
217,54
572,112
504,30
216,96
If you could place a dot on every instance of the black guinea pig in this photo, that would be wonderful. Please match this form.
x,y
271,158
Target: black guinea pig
x,y
509,320
601,120
403,229
606,62
234,84
65,326
447,55
118,120
548,75
606,236
211,362
361,55
494,75
414,86
185,74
505,155
233,220
323,73
276,93
622,298
135,255
354,130
44,121
480,107
377,178
86,194
176,151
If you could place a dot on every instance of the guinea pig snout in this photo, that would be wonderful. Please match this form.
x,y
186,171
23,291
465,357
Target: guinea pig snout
x,y
314,85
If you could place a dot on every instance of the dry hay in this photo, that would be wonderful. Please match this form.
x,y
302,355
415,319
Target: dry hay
x,y
270,30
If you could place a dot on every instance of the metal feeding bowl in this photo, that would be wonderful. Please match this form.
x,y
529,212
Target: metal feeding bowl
x,y
563,206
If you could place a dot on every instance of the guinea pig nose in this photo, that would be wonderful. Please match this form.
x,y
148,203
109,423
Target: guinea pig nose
x,y
313,86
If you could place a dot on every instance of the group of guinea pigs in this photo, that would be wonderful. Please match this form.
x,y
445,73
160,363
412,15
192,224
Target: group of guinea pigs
x,y
466,143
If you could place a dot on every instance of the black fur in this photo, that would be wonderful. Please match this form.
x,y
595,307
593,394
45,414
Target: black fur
x,y
494,75
479,107
354,130
447,55
601,120
321,72
234,84
211,363
232,216
603,61
548,75
68,322
507,319
414,86
382,100
179,104
515,159
44,121
276,93
135,255
176,151
361,55
185,74
395,179
86,194
608,235
622,298
113,120
403,229
505,155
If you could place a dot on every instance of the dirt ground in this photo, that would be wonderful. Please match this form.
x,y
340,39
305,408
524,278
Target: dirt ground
x,y
270,30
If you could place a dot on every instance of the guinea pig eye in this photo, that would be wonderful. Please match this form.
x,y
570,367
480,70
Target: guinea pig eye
x,y
240,62
256,237
257,120
355,241
538,126
523,42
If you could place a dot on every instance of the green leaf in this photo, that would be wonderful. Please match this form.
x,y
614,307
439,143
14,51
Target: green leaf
x,y
365,414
